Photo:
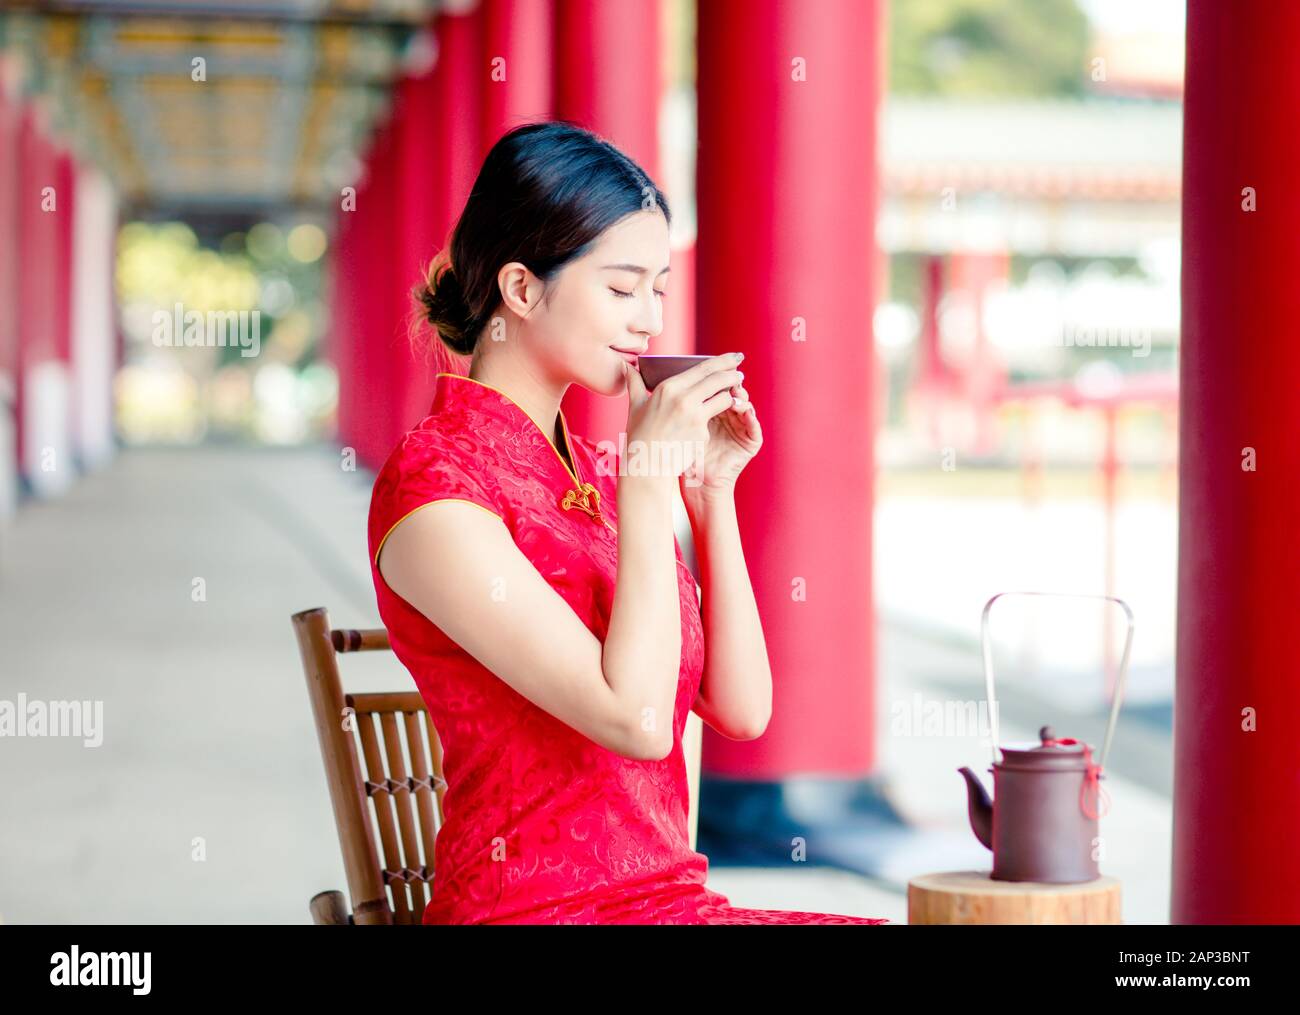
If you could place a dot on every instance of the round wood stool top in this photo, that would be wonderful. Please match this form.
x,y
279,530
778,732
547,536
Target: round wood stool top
x,y
973,897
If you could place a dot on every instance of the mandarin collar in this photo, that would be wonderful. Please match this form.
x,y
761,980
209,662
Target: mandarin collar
x,y
461,390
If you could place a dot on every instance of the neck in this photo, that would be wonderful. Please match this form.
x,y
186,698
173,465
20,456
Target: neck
x,y
521,382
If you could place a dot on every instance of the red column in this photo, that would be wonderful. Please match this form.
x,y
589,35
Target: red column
x,y
342,339
65,184
496,62
1236,846
787,273
416,180
377,214
459,80
10,171
516,65
366,303
438,148
972,273
931,370
678,336
65,180
38,292
609,79
930,388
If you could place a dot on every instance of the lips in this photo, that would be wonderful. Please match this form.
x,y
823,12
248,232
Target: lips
x,y
628,354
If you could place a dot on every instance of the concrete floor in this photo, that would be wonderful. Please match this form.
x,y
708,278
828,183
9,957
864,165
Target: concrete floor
x,y
205,802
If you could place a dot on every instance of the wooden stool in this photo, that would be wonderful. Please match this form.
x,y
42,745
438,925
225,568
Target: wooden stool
x,y
973,897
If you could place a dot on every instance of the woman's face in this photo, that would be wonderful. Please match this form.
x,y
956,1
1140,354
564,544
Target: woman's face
x,y
611,297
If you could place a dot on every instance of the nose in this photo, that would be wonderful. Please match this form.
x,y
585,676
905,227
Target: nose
x,y
649,320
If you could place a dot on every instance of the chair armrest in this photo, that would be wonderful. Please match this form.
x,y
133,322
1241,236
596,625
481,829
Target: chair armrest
x,y
329,910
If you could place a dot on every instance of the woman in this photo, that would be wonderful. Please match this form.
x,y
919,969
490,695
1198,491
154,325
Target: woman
x,y
498,537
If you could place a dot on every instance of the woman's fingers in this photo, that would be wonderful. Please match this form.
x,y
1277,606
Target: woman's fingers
x,y
713,385
719,403
635,384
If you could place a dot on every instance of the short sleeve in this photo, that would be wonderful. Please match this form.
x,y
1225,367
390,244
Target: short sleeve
x,y
422,470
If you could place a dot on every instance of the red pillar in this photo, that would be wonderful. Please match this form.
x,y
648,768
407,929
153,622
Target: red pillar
x,y
516,65
1236,844
416,180
983,375
65,180
37,279
496,61
439,147
379,304
931,370
609,79
65,183
10,171
370,305
678,336
353,346
343,326
931,384
460,74
786,273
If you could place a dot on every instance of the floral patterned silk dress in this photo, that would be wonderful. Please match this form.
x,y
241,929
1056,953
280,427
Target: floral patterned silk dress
x,y
542,824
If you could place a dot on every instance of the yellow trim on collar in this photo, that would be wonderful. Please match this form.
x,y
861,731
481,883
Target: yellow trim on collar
x,y
564,424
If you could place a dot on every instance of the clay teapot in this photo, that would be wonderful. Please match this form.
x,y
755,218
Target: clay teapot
x,y
1042,820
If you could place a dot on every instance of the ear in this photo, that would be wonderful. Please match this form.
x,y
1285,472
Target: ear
x,y
520,288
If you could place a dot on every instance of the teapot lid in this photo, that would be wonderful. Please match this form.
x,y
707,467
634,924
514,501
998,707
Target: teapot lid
x,y
1049,750
1050,742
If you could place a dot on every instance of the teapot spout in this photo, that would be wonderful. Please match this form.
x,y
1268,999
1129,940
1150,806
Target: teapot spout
x,y
980,808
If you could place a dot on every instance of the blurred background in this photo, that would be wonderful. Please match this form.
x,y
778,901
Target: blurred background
x,y
171,171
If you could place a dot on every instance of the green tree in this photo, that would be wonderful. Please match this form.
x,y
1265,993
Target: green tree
x,y
987,47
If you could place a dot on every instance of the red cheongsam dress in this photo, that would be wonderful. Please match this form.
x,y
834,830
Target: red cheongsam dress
x,y
542,825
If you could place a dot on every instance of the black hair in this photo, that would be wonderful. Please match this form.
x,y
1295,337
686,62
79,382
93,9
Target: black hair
x,y
544,194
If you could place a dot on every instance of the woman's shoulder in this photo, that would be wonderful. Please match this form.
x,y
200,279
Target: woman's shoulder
x,y
427,445
429,463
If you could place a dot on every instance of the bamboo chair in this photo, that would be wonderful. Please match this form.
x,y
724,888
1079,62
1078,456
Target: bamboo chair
x,y
402,785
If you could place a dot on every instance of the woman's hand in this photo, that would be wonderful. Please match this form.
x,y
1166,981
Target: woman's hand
x,y
734,438
675,430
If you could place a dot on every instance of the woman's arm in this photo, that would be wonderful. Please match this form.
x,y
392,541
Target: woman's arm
x,y
643,647
736,690
461,568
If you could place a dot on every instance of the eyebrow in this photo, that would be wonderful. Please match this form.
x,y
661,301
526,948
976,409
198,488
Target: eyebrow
x,y
632,267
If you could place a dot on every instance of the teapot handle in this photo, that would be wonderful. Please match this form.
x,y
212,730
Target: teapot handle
x,y
1119,680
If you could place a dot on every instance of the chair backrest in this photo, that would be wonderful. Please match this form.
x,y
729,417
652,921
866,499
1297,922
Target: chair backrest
x,y
401,780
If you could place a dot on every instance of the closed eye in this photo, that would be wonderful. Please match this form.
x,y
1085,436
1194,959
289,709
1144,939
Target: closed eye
x,y
621,293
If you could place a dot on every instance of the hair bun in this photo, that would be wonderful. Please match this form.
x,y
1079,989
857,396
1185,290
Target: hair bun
x,y
445,307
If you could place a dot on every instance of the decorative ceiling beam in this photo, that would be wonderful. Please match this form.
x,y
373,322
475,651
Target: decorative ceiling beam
x,y
407,14
275,121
